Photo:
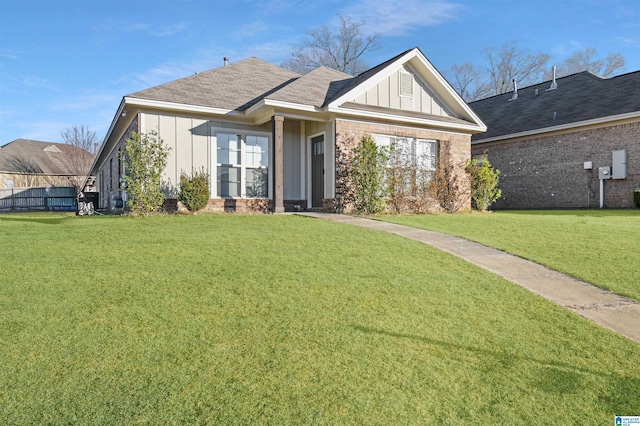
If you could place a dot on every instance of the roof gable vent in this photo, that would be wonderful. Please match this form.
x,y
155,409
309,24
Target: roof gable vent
x,y
52,148
406,84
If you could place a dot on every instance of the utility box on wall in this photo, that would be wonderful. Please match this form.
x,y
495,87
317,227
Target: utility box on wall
x,y
604,173
619,164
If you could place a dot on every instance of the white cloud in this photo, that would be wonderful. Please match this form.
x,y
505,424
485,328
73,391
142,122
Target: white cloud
x,y
142,27
629,40
401,17
9,54
170,30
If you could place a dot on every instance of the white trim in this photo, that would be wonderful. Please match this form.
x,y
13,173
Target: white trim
x,y
398,125
181,107
433,72
214,161
281,104
570,126
303,169
473,128
310,168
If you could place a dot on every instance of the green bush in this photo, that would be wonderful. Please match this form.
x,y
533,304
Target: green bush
x,y
145,157
367,175
194,190
636,197
484,180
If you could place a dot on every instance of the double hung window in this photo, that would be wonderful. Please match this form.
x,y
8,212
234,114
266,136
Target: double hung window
x,y
242,165
412,161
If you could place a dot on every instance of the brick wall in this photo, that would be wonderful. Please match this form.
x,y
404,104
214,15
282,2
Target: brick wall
x,y
349,133
108,180
548,171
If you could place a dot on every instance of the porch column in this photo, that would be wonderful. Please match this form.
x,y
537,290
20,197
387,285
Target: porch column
x,y
278,172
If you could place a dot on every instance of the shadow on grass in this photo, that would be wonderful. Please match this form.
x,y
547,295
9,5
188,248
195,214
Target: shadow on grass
x,y
35,219
576,212
552,376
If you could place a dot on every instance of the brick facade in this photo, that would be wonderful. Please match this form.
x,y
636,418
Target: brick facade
x,y
547,171
109,174
349,133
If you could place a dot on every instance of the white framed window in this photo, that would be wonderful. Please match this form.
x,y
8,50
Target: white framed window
x,y
9,183
421,152
242,164
412,159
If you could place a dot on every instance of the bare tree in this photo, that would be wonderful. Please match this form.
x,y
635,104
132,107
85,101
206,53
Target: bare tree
x,y
342,50
585,60
507,62
470,83
79,149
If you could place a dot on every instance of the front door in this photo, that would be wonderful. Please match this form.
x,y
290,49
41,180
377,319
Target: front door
x,y
317,171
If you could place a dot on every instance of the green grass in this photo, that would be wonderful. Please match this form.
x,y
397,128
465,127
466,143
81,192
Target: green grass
x,y
283,320
601,247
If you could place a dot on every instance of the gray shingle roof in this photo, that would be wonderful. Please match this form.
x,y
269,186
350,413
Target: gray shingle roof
x,y
242,84
316,88
236,86
35,157
579,97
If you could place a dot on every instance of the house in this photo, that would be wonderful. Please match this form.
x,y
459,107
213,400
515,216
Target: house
x,y
27,163
550,140
274,140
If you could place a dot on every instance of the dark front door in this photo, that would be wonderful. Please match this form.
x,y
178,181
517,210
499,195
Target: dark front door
x,y
317,171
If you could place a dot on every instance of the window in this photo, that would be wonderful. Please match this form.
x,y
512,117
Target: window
x,y
412,161
120,176
110,174
9,183
242,162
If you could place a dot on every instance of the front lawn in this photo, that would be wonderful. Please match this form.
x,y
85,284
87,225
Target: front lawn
x,y
283,320
601,247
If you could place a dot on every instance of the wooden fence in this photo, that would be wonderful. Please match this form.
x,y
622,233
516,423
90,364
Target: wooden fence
x,y
54,198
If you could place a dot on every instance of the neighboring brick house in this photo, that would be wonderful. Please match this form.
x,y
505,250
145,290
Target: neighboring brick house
x,y
275,140
544,141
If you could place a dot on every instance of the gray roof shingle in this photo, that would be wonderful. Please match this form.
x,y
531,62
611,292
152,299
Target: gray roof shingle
x,y
579,97
36,157
316,88
236,86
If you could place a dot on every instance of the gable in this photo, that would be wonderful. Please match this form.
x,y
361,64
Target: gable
x,y
405,90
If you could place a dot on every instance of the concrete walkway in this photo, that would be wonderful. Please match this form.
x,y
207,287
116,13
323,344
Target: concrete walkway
x,y
608,309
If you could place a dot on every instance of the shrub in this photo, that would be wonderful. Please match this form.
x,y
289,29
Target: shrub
x,y
484,181
367,176
194,190
145,157
636,197
444,186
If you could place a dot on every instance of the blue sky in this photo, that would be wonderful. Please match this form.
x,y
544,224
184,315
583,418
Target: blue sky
x,y
65,63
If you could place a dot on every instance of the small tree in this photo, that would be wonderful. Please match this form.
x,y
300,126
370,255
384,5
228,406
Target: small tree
x,y
444,186
145,157
341,50
484,180
78,151
194,190
367,176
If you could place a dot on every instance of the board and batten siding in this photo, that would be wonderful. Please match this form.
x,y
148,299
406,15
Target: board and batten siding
x,y
313,128
386,94
188,140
